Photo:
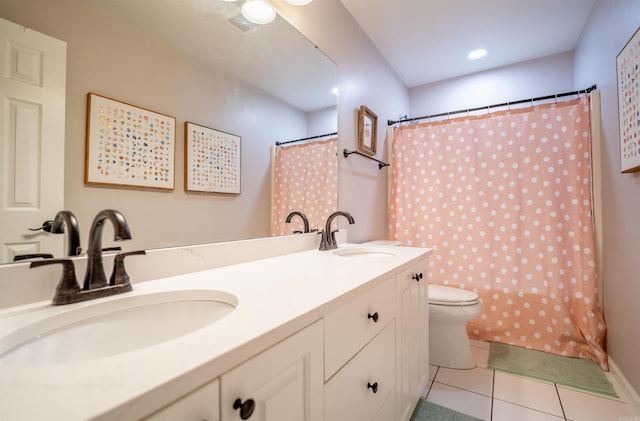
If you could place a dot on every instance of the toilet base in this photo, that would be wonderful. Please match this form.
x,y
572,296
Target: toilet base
x,y
449,346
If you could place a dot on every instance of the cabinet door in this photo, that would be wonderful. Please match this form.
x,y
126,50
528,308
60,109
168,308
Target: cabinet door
x,y
422,325
284,383
412,365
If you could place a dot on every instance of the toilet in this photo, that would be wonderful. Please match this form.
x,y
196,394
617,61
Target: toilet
x,y
449,311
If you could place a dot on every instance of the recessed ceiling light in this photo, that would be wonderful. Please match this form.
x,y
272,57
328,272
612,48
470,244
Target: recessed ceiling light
x,y
298,2
258,11
476,54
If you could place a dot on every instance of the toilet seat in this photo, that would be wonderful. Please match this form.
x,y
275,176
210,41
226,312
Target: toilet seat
x,y
447,296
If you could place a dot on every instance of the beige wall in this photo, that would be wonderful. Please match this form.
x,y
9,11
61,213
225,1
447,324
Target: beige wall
x,y
611,24
364,78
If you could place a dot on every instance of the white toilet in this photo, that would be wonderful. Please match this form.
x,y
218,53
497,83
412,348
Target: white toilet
x,y
449,311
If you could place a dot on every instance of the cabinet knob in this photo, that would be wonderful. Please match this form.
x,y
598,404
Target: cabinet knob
x,y
373,387
373,316
417,277
246,408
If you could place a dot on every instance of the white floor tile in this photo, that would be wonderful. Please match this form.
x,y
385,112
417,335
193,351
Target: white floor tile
x,y
481,356
526,392
506,411
580,406
480,344
478,380
432,371
469,403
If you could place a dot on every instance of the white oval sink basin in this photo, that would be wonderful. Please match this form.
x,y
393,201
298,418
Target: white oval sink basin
x,y
367,252
112,327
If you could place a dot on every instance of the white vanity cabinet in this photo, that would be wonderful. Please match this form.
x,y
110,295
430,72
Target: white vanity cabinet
x,y
283,383
412,340
360,356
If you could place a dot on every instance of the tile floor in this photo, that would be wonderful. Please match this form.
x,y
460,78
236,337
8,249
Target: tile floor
x,y
496,396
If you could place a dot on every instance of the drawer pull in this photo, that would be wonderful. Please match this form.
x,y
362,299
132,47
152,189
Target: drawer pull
x,y
373,316
373,387
246,408
417,277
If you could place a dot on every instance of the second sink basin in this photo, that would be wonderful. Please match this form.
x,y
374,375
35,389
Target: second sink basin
x,y
107,328
367,252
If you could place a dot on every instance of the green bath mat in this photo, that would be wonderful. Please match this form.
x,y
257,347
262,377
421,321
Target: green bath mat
x,y
428,411
573,372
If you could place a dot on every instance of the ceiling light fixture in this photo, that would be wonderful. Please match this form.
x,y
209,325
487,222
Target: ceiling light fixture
x,y
298,2
258,11
476,54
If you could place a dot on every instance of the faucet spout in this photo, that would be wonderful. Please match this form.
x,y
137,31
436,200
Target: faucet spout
x,y
65,217
95,276
305,221
329,240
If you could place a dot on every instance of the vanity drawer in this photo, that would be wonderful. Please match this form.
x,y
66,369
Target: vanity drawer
x,y
350,327
349,395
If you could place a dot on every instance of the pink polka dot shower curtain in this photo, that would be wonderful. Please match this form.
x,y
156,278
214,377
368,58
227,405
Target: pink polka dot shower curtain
x,y
505,201
305,178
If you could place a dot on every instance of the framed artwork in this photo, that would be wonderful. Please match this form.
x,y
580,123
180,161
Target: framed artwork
x,y
628,75
212,160
367,130
128,145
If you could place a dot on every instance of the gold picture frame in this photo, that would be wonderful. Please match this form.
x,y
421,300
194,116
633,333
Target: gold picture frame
x,y
128,146
627,64
211,160
367,130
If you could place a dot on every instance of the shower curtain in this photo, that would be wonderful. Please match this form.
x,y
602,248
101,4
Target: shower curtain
x,y
305,178
505,200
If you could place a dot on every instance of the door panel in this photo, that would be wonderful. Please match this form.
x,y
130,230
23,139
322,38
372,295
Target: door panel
x,y
32,112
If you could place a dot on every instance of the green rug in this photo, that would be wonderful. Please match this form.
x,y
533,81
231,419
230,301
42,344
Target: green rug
x,y
573,372
427,411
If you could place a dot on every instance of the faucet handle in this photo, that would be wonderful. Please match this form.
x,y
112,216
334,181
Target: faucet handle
x,y
119,274
68,285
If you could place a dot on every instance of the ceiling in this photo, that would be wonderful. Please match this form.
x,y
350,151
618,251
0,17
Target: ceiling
x,y
426,41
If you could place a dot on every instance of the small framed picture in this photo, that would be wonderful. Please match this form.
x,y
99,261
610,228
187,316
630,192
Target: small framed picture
x,y
367,130
212,160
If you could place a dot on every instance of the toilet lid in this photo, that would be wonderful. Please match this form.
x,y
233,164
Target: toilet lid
x,y
439,294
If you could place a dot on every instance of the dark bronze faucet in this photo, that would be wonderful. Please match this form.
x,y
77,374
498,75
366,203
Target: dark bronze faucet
x,y
305,221
95,282
328,241
95,277
65,217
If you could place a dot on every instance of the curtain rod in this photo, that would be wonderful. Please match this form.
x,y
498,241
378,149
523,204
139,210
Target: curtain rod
x,y
504,104
306,138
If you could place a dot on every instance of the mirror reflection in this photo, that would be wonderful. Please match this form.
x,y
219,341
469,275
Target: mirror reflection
x,y
194,60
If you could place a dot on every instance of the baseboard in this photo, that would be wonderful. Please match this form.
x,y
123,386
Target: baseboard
x,y
629,391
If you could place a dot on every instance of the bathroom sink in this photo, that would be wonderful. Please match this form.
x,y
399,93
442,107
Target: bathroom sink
x,y
365,252
107,328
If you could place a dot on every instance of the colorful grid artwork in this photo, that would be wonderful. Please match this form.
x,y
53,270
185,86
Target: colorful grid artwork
x,y
212,160
628,72
128,145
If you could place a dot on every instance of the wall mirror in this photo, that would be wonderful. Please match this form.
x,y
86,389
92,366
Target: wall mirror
x,y
199,61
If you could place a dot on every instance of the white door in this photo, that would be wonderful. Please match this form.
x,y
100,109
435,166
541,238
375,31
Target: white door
x,y
32,122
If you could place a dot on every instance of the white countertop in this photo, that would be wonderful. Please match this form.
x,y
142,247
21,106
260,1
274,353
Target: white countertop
x,y
276,297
